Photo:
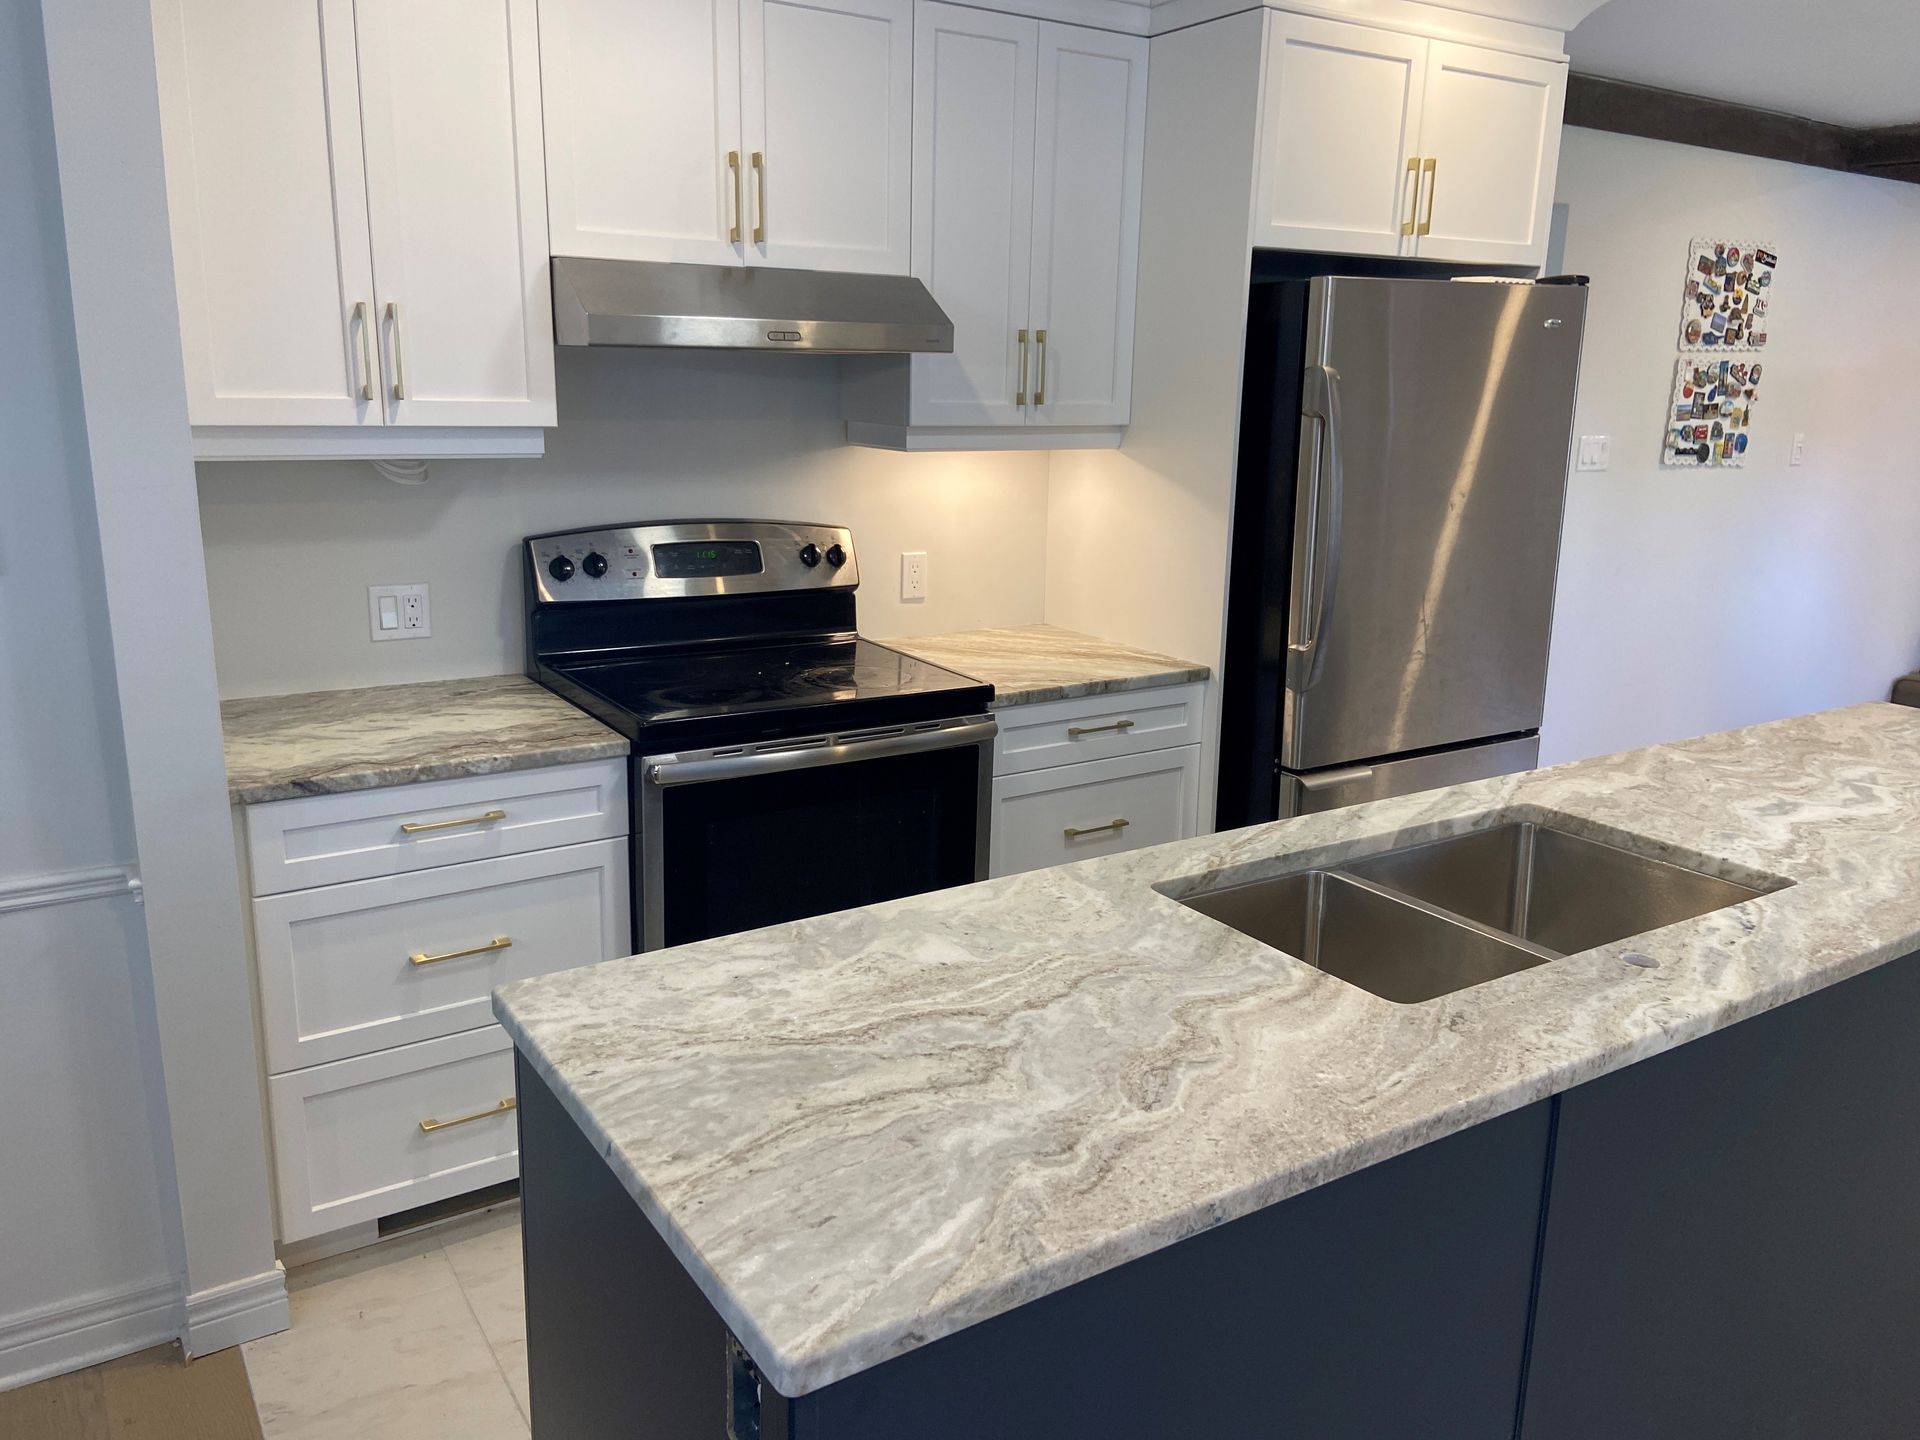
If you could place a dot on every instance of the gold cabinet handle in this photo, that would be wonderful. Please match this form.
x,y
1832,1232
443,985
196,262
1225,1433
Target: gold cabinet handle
x,y
733,167
760,191
1020,395
499,942
399,364
427,1127
1073,833
1040,390
1431,167
1074,732
416,827
1413,198
366,354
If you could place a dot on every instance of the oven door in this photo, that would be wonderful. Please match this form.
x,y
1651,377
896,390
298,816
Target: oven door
x,y
746,836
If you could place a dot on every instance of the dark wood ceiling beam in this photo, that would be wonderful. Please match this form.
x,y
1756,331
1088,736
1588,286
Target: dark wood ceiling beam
x,y
1889,152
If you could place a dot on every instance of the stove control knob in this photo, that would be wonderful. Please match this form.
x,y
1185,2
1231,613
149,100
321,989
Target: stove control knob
x,y
809,554
560,567
836,556
595,564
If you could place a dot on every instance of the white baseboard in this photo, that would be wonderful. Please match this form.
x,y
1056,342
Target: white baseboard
x,y
236,1312
76,1333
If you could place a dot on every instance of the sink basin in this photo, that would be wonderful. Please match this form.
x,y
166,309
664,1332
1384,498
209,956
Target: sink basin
x,y
1397,949
1559,891
1428,920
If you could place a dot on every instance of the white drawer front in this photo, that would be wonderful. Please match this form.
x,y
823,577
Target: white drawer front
x,y
1036,815
325,839
337,966
347,1138
1096,727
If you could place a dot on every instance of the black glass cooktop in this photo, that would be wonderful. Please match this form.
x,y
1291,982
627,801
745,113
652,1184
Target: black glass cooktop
x,y
730,696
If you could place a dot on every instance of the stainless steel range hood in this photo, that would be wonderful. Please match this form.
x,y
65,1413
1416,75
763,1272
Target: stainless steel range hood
x,y
725,307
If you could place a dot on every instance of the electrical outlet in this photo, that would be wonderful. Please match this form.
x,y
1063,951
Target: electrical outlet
x,y
913,575
1596,452
398,612
1799,449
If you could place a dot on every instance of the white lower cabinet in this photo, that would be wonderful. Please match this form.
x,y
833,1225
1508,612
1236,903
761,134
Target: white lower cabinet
x,y
1075,779
389,1085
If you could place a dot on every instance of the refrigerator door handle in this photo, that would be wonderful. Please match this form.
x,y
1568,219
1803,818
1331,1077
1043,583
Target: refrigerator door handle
x,y
1323,404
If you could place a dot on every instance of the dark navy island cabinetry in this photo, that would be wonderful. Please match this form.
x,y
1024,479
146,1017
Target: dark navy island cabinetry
x,y
1718,1243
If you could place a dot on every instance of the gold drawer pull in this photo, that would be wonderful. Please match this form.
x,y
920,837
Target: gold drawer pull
x,y
427,1127
499,942
415,827
1074,732
1114,825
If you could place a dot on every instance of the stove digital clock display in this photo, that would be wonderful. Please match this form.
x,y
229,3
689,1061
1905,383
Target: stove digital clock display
x,y
706,559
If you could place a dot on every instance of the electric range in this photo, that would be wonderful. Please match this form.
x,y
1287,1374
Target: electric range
x,y
782,766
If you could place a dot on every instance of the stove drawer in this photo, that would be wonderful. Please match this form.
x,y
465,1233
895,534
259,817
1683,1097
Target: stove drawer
x,y
1103,807
325,839
349,969
1096,727
382,1133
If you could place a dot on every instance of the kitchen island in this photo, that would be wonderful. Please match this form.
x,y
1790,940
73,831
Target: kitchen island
x,y
1060,1155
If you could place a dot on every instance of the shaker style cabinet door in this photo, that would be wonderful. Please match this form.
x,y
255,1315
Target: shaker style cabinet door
x,y
1340,129
1492,127
973,132
642,111
260,112
1088,157
450,91
827,125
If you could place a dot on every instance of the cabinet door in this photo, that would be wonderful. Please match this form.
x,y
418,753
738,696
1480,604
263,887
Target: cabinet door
x,y
451,98
827,96
260,114
642,110
1088,156
1491,124
973,119
1099,807
1339,122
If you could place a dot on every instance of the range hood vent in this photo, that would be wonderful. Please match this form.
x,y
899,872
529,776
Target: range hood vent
x,y
726,307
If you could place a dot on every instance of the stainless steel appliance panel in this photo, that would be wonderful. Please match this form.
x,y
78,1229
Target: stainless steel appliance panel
x,y
1311,794
1427,522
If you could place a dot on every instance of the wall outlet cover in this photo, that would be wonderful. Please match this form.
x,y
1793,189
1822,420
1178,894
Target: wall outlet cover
x,y
913,575
1799,449
1596,452
398,612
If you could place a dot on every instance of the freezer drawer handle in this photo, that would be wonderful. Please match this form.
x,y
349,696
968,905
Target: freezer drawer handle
x,y
1074,833
1074,732
1334,779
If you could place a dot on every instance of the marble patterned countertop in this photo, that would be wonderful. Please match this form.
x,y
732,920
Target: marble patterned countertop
x,y
866,1131
1032,663
326,741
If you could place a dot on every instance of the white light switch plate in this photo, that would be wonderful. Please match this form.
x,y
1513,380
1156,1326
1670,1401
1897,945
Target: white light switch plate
x,y
1799,449
1596,452
398,612
913,575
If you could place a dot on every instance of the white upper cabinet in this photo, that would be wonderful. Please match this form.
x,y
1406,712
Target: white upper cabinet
x,y
642,107
451,104
827,132
730,132
356,198
1340,119
974,96
1092,120
268,209
1492,128
1378,143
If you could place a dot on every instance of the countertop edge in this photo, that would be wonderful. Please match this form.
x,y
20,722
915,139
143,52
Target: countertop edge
x,y
1079,689
382,777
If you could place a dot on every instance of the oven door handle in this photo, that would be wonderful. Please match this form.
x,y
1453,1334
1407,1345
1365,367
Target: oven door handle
x,y
669,770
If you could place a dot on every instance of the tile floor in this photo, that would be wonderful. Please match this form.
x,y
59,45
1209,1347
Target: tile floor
x,y
422,1336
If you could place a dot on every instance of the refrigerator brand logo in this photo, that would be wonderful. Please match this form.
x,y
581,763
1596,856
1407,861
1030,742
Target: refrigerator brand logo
x,y
1553,324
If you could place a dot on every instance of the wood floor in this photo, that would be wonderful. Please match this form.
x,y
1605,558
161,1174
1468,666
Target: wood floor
x,y
154,1395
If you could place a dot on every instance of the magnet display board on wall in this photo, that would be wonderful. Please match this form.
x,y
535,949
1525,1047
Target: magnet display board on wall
x,y
1712,410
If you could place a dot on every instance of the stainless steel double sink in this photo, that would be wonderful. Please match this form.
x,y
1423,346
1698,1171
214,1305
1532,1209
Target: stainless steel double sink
x,y
1426,920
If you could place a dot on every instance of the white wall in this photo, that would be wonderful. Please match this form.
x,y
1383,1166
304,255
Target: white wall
x,y
292,546
1694,601
84,1263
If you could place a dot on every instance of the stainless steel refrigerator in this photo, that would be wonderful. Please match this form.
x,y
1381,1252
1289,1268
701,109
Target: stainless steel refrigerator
x,y
1401,481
